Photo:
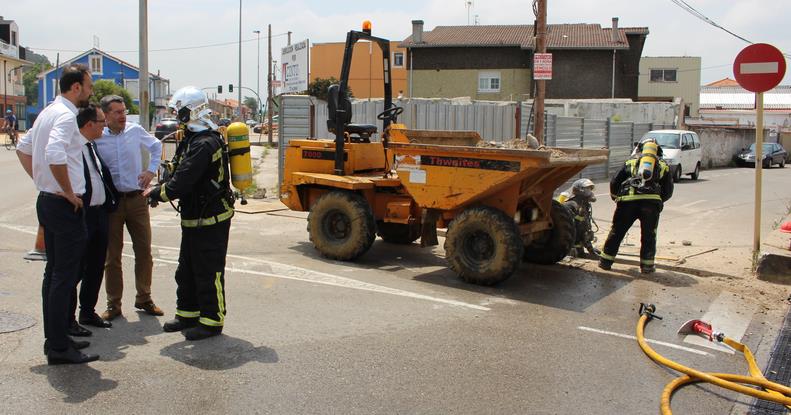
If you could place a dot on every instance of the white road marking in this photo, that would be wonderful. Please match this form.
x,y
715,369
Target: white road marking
x,y
290,272
727,314
661,343
688,205
759,68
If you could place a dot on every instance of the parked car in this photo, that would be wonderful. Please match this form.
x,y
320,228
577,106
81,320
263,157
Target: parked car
x,y
773,153
263,128
251,123
165,127
680,150
224,122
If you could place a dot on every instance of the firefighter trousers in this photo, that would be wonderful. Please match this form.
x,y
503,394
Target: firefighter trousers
x,y
625,214
200,275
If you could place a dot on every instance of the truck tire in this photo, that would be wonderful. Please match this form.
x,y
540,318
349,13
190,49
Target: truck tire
x,y
696,173
398,233
341,225
483,246
554,244
677,174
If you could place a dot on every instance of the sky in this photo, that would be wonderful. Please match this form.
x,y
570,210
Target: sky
x,y
50,27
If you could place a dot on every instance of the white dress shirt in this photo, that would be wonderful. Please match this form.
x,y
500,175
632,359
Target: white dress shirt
x,y
55,139
97,186
122,155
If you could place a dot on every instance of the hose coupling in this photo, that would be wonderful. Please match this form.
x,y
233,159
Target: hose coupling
x,y
648,311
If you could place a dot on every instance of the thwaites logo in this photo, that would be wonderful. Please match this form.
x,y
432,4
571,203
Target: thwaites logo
x,y
321,155
470,163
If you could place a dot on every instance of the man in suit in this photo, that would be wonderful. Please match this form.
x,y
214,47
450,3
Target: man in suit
x,y
99,199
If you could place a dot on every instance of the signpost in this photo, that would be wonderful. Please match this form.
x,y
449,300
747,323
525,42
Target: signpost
x,y
759,68
294,59
542,66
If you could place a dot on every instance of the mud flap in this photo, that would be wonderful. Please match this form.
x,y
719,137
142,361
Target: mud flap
x,y
428,227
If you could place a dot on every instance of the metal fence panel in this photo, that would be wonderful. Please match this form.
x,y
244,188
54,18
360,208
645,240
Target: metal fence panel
x,y
620,145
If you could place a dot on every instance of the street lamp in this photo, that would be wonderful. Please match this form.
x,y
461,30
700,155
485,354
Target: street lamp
x,y
258,71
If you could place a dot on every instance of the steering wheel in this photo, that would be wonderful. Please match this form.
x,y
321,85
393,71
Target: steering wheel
x,y
392,113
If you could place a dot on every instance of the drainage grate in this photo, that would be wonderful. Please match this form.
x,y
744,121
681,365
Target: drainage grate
x,y
14,321
779,370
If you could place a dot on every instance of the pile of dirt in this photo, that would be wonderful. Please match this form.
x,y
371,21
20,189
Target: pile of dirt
x,y
529,143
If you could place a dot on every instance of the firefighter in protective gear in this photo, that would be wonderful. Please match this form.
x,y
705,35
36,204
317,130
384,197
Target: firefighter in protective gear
x,y
579,202
638,195
200,180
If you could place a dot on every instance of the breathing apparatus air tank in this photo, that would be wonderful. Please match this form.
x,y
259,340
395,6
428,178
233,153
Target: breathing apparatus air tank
x,y
647,162
238,135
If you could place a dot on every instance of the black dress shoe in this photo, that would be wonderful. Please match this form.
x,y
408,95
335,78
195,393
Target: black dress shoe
x,y
179,323
77,344
69,356
77,330
202,332
95,321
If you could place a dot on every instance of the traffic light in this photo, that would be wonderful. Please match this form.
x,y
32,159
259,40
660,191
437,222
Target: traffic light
x,y
230,87
219,89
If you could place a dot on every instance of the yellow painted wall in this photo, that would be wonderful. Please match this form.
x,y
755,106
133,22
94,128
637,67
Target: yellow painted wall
x,y
365,80
452,83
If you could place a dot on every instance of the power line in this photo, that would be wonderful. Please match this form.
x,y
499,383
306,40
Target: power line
x,y
157,50
691,10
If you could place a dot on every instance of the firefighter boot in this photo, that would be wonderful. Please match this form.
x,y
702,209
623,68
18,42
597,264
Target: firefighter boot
x,y
179,323
202,331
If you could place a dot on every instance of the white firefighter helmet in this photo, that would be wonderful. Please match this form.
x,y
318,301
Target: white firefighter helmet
x,y
191,106
583,188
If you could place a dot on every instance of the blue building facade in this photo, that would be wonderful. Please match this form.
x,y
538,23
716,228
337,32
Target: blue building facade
x,y
105,66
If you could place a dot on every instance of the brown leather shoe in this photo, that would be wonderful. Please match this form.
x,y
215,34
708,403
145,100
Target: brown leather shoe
x,y
111,313
150,308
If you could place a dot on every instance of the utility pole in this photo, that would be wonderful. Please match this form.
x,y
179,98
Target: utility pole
x,y
289,38
240,60
143,78
258,72
541,47
269,99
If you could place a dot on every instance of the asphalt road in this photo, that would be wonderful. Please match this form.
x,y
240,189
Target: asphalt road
x,y
395,332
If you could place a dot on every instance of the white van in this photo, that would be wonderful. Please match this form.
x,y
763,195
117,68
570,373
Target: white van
x,y
680,150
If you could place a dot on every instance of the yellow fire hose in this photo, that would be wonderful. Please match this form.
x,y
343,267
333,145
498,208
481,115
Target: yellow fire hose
x,y
774,392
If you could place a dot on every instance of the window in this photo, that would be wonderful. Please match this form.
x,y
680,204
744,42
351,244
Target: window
x,y
489,82
695,141
131,85
398,59
13,38
95,62
663,75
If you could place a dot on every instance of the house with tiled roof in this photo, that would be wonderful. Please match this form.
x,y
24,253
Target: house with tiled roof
x,y
724,102
105,66
495,62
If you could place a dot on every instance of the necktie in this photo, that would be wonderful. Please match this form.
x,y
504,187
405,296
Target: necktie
x,y
86,197
95,156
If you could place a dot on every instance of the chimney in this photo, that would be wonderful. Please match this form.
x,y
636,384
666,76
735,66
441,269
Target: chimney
x,y
417,31
615,30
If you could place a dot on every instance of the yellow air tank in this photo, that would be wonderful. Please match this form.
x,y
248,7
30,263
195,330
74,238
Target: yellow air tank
x,y
648,161
239,152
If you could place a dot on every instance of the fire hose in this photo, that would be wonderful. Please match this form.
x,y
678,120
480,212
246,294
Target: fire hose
x,y
773,392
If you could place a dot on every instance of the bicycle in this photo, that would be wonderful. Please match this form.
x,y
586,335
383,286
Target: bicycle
x,y
10,141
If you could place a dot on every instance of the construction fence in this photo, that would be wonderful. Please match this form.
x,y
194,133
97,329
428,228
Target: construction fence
x,y
303,116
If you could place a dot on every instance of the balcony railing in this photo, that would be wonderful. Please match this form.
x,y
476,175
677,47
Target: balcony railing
x,y
8,50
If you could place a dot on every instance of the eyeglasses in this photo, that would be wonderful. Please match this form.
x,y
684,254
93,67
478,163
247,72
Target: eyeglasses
x,y
103,120
119,112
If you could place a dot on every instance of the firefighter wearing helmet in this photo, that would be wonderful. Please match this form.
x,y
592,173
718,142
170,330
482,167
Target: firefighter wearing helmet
x,y
579,202
198,177
639,191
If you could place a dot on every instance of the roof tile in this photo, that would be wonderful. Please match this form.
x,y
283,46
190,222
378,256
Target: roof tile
x,y
559,36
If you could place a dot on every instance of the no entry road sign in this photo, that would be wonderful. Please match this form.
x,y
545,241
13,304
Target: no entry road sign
x,y
759,67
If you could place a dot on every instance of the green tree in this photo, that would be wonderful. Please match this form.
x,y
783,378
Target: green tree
x,y
318,88
252,103
30,80
104,87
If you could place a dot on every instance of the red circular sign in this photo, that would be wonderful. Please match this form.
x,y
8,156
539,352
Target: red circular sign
x,y
759,67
